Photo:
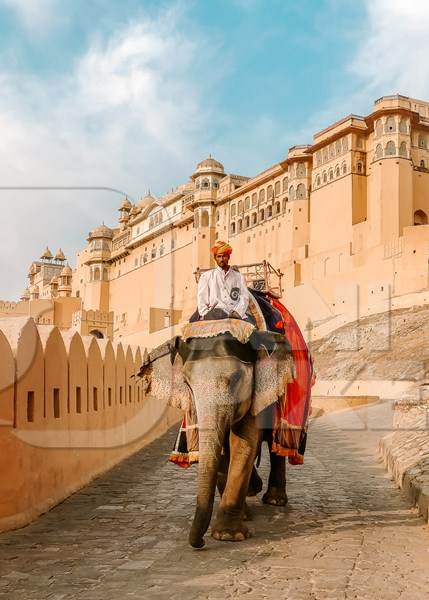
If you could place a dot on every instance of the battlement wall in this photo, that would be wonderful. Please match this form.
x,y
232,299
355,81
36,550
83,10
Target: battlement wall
x,y
71,407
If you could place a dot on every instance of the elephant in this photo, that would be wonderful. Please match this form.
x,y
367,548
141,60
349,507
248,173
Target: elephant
x,y
228,383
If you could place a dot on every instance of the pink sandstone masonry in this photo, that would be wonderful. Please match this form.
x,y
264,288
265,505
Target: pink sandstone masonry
x,y
70,408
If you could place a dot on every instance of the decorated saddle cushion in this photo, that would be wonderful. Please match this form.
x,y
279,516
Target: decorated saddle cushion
x,y
240,330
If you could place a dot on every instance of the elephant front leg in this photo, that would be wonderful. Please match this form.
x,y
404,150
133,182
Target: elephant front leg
x,y
229,525
276,491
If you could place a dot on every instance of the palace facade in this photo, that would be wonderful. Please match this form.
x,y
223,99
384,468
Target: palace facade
x,y
344,218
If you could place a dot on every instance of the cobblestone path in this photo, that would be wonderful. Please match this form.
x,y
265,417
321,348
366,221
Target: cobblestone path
x,y
347,532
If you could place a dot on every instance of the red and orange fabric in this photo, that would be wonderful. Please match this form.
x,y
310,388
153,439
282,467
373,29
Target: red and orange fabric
x,y
290,428
223,247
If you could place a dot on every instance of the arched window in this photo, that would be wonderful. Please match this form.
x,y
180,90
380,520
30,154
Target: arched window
x,y
153,253
318,181
270,192
422,142
145,257
344,168
403,126
390,125
262,196
239,225
378,128
378,151
403,149
345,144
277,208
284,184
300,192
331,174
247,222
337,171
254,200
261,215
196,219
420,218
247,203
331,151
325,177
338,147
161,250
269,211
105,275
423,164
291,193
204,219
240,207
277,188
233,210
232,228
284,204
254,218
300,170
360,167
205,183
96,274
390,149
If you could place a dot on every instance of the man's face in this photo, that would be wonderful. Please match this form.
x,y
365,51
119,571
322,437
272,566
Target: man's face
x,y
222,259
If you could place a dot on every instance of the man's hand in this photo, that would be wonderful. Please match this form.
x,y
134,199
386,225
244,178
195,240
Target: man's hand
x,y
234,315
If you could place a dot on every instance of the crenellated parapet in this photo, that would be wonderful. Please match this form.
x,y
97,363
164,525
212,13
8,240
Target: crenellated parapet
x,y
71,406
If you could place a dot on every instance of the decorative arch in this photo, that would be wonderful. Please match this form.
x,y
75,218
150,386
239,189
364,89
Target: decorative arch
x,y
232,228
97,334
378,127
403,125
97,274
390,125
390,149
291,193
300,170
420,217
337,171
378,151
262,196
204,218
301,192
403,149
270,192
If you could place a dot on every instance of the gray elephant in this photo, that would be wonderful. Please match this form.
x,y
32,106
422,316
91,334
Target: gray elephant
x,y
228,383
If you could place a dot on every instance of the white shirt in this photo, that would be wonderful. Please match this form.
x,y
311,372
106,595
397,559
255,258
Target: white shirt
x,y
225,290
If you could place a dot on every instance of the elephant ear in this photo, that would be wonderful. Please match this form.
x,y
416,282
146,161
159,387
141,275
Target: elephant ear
x,y
272,373
168,383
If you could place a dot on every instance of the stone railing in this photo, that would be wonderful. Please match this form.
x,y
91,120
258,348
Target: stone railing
x,y
71,406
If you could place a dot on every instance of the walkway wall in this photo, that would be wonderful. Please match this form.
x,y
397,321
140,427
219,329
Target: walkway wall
x,y
70,408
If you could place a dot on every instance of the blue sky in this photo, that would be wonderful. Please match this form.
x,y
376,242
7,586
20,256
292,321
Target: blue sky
x,y
133,94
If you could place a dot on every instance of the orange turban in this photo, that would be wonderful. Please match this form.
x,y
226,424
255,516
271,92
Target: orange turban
x,y
221,247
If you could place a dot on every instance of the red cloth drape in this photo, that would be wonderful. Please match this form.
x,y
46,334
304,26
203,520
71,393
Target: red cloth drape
x,y
292,414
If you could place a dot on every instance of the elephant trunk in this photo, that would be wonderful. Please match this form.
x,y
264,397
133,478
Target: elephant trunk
x,y
210,448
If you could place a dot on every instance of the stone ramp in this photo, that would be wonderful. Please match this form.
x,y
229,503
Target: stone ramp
x,y
347,532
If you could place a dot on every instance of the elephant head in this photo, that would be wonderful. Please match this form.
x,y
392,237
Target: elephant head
x,y
162,375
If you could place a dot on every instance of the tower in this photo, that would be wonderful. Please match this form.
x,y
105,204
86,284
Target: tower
x,y
206,177
97,284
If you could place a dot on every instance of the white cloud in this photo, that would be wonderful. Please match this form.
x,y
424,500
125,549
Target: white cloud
x,y
34,14
130,116
393,51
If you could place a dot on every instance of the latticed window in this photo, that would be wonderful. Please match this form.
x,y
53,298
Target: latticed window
x,y
390,148
390,125
262,196
403,149
233,210
277,188
247,203
270,192
378,151
284,184
291,193
300,170
378,127
254,200
301,192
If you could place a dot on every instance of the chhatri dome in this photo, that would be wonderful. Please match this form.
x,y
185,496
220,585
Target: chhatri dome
x,y
47,254
209,165
147,201
66,271
101,232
